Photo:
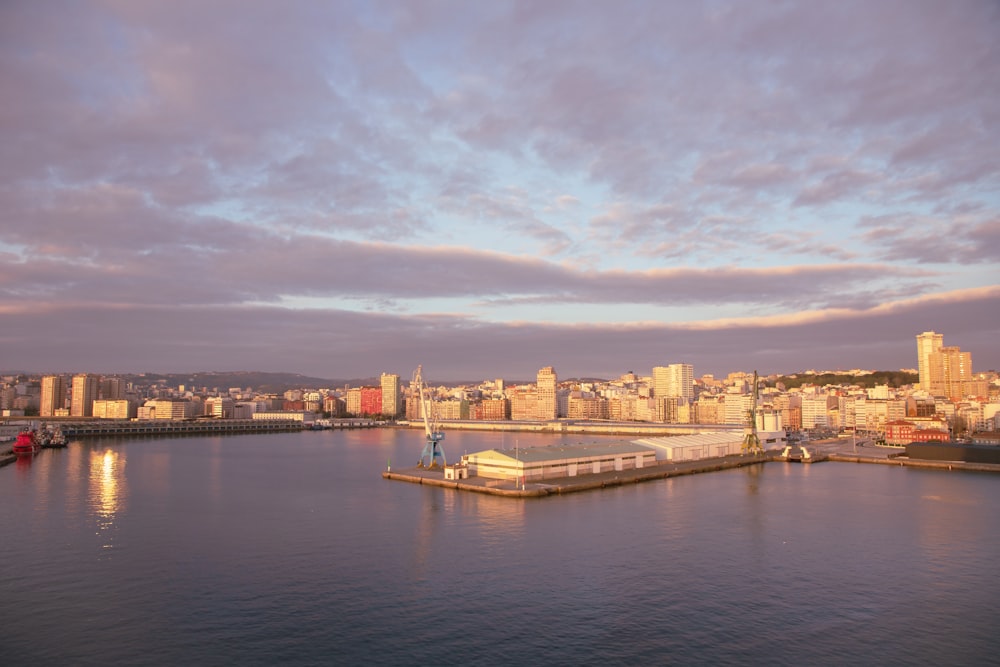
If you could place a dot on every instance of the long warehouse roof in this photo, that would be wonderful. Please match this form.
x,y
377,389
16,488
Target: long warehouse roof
x,y
696,440
560,452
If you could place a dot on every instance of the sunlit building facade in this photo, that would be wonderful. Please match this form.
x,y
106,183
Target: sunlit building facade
x,y
53,395
547,406
927,344
950,372
392,395
83,395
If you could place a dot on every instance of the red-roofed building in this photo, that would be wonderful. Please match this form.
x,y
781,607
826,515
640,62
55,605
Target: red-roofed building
x,y
901,432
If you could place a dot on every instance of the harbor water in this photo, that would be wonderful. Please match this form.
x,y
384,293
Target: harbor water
x,y
291,549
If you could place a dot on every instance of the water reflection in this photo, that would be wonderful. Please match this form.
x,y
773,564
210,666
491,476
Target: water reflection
x,y
485,521
427,528
108,492
501,519
949,518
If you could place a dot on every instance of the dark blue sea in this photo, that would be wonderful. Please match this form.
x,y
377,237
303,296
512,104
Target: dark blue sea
x,y
291,549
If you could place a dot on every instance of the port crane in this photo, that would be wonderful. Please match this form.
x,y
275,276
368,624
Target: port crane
x,y
433,451
751,441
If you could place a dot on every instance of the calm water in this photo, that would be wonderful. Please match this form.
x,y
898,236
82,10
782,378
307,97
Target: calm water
x,y
291,549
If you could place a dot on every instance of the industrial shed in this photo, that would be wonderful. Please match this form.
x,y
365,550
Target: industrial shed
x,y
539,463
695,447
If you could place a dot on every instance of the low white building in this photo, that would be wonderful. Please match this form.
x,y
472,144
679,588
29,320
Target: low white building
x,y
304,416
538,463
708,445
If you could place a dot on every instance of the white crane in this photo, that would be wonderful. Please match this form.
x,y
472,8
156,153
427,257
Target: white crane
x,y
432,448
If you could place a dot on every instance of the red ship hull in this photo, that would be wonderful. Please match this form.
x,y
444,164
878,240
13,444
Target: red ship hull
x,y
26,445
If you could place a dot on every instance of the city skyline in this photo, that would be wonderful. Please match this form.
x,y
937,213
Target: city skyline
x,y
342,190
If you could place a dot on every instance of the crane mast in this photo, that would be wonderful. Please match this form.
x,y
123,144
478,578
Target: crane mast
x,y
433,453
751,441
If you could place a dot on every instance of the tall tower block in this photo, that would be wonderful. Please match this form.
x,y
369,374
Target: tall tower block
x,y
927,344
83,394
546,383
53,395
392,394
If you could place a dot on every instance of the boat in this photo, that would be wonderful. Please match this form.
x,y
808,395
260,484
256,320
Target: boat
x,y
26,444
56,439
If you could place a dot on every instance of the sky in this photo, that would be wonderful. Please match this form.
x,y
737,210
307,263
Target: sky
x,y
342,189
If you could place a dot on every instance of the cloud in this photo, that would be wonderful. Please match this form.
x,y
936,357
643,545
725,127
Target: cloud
x,y
745,160
971,238
357,344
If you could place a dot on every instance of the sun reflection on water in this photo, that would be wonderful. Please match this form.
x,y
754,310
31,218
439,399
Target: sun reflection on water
x,y
108,491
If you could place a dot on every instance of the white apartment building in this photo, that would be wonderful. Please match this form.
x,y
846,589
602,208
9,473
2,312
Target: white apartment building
x,y
814,411
736,407
927,343
83,394
547,406
168,408
220,407
53,395
675,380
392,394
112,409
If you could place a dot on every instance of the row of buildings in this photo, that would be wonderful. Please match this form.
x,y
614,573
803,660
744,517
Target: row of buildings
x,y
947,397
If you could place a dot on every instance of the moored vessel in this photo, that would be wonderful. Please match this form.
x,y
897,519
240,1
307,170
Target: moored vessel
x,y
56,439
26,444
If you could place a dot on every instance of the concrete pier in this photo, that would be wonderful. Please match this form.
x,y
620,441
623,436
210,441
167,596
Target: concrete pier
x,y
836,451
563,485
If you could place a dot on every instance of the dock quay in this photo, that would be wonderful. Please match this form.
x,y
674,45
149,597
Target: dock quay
x,y
564,485
900,460
91,428
164,427
823,451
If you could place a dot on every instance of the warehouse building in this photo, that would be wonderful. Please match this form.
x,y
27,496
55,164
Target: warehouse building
x,y
707,445
539,463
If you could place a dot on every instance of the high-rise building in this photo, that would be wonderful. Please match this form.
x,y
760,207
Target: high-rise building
x,y
392,395
927,344
112,389
674,381
83,395
681,381
547,405
950,372
53,395
661,381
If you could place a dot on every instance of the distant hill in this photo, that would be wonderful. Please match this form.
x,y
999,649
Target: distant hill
x,y
894,379
259,381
